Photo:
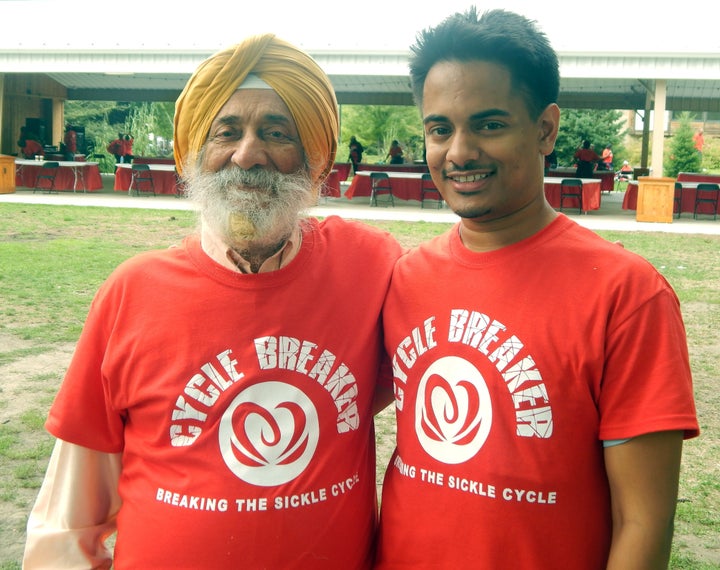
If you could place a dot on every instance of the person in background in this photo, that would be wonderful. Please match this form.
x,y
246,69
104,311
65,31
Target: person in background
x,y
625,173
127,148
541,374
217,411
586,159
116,148
356,152
30,148
607,158
70,143
395,153
699,142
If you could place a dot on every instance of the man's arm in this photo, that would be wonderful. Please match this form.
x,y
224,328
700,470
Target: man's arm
x,y
643,474
384,396
75,510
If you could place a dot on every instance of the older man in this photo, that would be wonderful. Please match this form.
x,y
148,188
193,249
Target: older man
x,y
217,411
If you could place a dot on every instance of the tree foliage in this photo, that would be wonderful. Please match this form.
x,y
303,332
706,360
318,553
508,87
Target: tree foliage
x,y
600,127
151,125
683,156
376,126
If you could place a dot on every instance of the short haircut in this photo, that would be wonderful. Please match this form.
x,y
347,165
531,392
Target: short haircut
x,y
500,37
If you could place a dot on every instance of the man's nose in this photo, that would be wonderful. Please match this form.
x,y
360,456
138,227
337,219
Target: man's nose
x,y
463,148
249,151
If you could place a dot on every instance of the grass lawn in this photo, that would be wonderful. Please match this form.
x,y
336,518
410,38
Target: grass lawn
x,y
53,258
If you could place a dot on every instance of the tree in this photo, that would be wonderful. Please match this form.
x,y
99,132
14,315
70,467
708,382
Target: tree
x,y
376,126
599,127
151,124
683,155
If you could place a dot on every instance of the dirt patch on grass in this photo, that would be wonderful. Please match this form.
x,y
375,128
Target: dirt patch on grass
x,y
29,378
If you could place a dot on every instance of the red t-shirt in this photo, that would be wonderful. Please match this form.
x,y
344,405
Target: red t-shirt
x,y
71,141
241,403
127,147
32,148
510,368
586,155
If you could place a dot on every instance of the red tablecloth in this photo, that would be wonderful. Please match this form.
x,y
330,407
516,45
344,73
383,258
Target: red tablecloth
x,y
606,177
687,198
343,169
76,177
590,193
331,186
392,167
698,177
407,187
163,178
404,187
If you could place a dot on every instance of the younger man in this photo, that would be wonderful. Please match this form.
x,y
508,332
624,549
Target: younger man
x,y
542,384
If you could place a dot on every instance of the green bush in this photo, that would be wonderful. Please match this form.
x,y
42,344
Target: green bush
x,y
683,157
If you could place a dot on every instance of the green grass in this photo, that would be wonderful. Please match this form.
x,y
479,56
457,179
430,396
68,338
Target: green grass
x,y
53,258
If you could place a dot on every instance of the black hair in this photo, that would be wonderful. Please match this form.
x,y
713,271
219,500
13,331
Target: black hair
x,y
498,36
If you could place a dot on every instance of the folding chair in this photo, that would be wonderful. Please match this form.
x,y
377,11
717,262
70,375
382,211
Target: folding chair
x,y
380,186
428,191
571,188
45,180
707,193
677,198
141,180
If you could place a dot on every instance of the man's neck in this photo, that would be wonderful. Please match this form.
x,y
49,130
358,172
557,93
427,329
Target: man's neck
x,y
249,257
484,236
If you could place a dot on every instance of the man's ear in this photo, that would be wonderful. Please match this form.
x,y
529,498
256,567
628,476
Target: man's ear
x,y
549,123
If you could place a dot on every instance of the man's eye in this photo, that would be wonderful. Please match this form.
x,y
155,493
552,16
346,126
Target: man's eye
x,y
491,126
276,134
438,131
226,134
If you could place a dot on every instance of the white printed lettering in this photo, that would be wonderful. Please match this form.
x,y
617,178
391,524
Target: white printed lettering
x,y
472,487
404,468
191,501
530,496
251,505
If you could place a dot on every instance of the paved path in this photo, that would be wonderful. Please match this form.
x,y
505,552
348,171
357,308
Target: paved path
x,y
611,216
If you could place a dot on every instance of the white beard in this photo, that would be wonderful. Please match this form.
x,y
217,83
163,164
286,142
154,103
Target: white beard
x,y
250,209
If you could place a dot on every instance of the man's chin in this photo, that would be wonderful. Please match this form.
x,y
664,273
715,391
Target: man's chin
x,y
242,230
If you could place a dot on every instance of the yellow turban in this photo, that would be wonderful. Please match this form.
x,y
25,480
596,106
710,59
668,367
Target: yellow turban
x,y
295,77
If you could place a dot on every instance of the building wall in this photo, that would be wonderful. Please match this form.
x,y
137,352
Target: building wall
x,y
35,97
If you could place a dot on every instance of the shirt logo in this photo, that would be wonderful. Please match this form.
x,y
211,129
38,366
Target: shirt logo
x,y
269,433
453,411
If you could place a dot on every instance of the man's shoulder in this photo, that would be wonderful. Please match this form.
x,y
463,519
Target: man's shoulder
x,y
335,224
148,262
356,236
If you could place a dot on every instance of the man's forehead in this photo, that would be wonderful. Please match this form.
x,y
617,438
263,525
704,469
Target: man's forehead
x,y
249,103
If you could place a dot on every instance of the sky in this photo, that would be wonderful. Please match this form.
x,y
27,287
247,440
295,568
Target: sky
x,y
613,25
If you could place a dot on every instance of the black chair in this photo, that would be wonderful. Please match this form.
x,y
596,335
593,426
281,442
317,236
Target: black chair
x,y
707,193
571,188
45,180
677,199
141,180
428,191
380,186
